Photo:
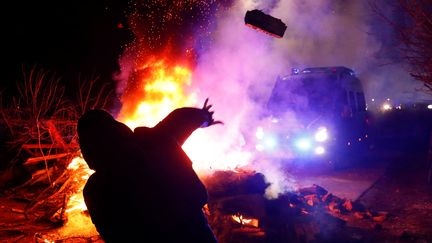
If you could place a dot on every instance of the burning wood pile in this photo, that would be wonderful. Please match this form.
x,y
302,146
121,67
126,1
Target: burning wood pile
x,y
239,211
43,178
46,210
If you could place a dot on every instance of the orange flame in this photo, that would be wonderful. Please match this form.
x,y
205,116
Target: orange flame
x,y
78,224
81,174
158,93
245,221
161,86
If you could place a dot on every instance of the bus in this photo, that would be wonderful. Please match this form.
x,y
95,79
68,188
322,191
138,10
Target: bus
x,y
317,113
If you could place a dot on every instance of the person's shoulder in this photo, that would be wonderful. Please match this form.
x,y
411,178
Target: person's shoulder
x,y
124,127
142,130
96,114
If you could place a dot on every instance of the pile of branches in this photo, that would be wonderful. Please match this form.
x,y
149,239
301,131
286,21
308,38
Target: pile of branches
x,y
41,122
41,104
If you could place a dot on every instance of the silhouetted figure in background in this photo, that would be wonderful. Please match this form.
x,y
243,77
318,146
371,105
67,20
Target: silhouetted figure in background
x,y
144,186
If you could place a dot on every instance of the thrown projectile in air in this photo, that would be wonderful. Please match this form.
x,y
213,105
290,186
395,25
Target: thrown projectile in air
x,y
266,23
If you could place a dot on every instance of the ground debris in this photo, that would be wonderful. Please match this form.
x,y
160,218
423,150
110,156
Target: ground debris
x,y
309,214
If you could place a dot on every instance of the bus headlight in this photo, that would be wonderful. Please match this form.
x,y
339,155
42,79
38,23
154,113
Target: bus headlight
x,y
321,135
265,141
303,144
319,150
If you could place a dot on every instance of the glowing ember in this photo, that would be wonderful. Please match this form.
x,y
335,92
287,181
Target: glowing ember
x,y
245,221
81,172
78,223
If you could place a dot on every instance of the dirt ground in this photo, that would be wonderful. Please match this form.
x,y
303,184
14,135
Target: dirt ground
x,y
405,193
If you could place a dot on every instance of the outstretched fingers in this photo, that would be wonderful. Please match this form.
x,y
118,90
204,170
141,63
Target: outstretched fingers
x,y
217,122
205,104
207,107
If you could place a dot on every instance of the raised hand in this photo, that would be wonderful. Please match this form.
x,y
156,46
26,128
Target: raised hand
x,y
210,121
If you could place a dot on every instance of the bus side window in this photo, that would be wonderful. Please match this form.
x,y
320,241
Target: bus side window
x,y
361,101
352,101
341,104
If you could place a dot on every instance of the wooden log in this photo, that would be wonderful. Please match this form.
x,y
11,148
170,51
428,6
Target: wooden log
x,y
54,133
35,148
35,160
48,146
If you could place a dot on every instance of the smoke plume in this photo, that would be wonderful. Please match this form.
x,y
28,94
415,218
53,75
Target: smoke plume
x,y
236,66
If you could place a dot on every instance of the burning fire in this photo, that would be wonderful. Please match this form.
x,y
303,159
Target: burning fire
x,y
245,221
81,174
158,93
163,86
78,224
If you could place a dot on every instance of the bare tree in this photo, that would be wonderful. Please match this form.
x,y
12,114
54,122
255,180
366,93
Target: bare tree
x,y
92,95
43,122
33,114
41,117
417,39
414,34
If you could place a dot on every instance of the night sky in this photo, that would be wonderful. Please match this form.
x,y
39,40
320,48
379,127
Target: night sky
x,y
68,38
85,39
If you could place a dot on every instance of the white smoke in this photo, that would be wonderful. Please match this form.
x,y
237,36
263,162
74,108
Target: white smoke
x,y
239,69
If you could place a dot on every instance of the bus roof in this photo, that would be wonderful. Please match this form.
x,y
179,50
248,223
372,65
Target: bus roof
x,y
336,69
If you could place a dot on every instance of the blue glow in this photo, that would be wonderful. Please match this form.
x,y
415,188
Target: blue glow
x,y
270,142
303,144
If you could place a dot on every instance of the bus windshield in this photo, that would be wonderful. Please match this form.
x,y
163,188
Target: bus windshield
x,y
305,93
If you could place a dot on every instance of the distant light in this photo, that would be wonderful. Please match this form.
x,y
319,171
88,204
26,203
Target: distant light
x,y
319,150
399,107
373,99
303,144
429,107
259,134
386,107
275,120
388,99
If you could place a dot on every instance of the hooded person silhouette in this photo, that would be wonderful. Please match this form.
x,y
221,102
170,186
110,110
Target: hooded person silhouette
x,y
144,186
105,145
